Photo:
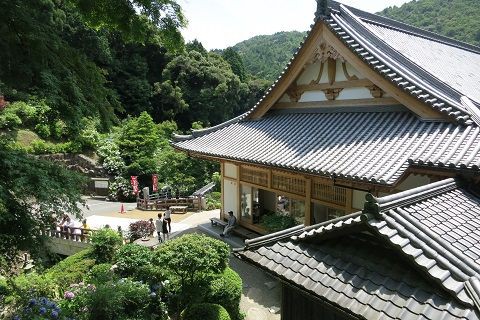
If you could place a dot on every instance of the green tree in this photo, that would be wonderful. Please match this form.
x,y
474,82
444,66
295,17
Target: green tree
x,y
136,19
211,90
452,18
138,139
32,192
36,58
235,61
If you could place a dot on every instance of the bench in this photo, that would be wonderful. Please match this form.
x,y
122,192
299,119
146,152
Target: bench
x,y
216,222
238,230
181,209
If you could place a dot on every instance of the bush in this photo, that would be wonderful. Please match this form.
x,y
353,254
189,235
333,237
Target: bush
x,y
32,285
100,273
130,257
9,120
140,229
275,222
120,189
43,130
72,269
41,309
122,299
89,136
226,290
59,129
205,311
105,243
192,260
213,201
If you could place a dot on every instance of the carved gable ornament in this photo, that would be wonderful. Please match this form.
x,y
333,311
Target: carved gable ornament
x,y
324,52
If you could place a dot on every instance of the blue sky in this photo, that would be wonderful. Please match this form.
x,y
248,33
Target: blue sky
x,y
222,23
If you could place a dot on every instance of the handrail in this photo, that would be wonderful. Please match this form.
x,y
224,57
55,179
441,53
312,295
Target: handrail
x,y
78,234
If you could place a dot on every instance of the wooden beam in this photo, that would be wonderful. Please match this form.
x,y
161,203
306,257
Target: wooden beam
x,y
422,110
337,103
337,85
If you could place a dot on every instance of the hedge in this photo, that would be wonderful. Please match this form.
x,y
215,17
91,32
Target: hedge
x,y
226,290
205,311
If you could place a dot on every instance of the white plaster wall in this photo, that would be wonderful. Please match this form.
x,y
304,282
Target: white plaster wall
x,y
310,73
354,93
351,71
310,96
230,170
413,181
358,199
230,196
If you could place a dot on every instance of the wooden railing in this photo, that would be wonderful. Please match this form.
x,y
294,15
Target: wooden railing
x,y
163,203
72,233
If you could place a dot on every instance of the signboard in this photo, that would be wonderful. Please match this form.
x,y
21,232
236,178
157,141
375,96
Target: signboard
x,y
154,183
134,182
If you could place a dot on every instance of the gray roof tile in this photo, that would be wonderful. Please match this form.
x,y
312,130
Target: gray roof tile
x,y
418,276
304,142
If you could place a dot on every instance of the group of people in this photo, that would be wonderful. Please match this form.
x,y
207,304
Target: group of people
x,y
163,225
69,230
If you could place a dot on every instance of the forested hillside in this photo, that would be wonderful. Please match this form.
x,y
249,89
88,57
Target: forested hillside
x,y
265,56
459,19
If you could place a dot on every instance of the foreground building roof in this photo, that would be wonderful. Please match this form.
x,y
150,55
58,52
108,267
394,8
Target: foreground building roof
x,y
374,144
411,255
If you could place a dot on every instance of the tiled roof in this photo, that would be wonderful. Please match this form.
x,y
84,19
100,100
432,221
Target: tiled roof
x,y
433,69
393,261
366,146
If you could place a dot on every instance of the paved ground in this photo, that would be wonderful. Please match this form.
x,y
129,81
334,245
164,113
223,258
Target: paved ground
x,y
261,293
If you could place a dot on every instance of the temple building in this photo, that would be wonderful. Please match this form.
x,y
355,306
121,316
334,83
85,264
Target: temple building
x,y
367,105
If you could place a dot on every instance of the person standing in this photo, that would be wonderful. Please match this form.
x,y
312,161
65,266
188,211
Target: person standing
x,y
165,229
232,221
159,227
167,216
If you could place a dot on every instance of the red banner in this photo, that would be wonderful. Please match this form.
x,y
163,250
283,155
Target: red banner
x,y
154,183
134,182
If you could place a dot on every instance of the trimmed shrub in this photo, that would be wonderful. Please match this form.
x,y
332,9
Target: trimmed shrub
x,y
130,257
226,290
72,269
100,273
191,261
205,311
105,243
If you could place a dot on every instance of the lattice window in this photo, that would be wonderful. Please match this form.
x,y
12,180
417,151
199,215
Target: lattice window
x,y
288,184
328,193
251,175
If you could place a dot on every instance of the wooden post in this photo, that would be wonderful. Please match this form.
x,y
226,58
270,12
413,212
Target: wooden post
x,y
222,183
348,201
308,201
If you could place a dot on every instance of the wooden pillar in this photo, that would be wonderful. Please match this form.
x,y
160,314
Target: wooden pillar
x,y
222,184
348,201
308,201
239,193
